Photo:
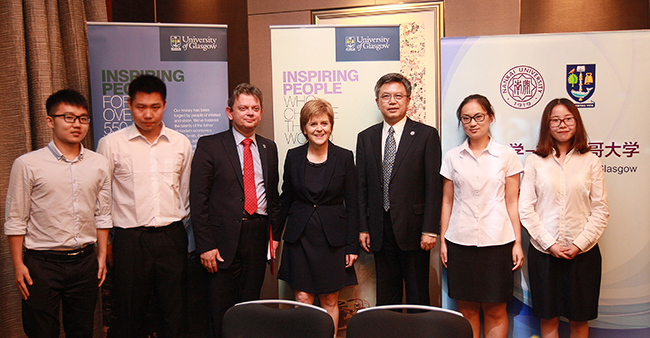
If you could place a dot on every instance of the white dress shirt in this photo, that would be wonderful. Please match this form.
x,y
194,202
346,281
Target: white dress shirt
x,y
56,203
564,203
150,180
257,166
479,216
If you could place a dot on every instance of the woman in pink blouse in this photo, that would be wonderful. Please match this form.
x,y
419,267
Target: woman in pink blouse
x,y
563,205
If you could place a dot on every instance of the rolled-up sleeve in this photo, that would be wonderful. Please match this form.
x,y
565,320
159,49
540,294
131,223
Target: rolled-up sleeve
x,y
18,201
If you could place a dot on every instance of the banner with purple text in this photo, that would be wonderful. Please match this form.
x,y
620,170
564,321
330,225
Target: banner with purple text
x,y
605,75
341,64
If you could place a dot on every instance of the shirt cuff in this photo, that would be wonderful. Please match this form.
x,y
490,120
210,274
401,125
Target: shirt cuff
x,y
430,234
103,222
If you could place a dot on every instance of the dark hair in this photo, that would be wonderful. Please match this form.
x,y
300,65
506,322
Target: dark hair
x,y
245,88
393,77
313,108
67,96
146,83
546,142
481,100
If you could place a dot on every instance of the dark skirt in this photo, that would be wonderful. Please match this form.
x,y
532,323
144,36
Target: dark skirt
x,y
311,265
567,288
480,274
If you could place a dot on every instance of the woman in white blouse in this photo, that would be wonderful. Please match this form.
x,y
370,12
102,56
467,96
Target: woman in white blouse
x,y
479,226
563,205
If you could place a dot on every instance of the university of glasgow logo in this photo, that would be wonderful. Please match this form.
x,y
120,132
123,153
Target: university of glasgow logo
x,y
581,83
349,43
175,42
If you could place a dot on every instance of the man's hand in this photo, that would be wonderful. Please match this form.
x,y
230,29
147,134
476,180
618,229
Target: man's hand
x,y
274,249
209,260
364,240
427,242
101,270
23,279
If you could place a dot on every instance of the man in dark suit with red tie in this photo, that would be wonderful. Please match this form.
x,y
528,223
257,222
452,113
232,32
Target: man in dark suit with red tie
x,y
400,194
234,201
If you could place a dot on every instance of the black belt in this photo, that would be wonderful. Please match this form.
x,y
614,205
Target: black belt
x,y
160,228
248,217
63,255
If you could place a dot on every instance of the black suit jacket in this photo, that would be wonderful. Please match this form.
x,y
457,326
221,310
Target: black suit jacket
x,y
337,204
415,185
217,192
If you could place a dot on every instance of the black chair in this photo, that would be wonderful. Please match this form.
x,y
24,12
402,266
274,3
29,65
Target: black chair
x,y
385,321
255,319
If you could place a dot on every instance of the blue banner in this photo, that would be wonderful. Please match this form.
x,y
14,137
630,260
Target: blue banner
x,y
367,44
190,59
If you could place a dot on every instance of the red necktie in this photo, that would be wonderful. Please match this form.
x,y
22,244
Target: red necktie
x,y
250,192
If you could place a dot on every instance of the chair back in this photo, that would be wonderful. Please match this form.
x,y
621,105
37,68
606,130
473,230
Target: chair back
x,y
389,321
255,319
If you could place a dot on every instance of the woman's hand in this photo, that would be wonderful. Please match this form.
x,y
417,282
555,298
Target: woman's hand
x,y
350,259
556,251
570,251
443,252
517,256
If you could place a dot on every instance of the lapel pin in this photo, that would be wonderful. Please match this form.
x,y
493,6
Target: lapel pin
x,y
412,132
264,146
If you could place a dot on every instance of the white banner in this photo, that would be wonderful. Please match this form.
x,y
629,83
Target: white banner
x,y
606,76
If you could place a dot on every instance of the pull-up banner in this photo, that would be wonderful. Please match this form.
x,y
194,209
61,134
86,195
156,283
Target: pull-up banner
x,y
190,59
605,75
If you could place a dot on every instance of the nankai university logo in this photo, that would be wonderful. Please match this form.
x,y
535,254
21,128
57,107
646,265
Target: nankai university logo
x,y
522,87
581,83
350,43
175,42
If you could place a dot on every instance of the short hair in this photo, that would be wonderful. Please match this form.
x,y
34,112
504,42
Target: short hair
x,y
146,83
245,88
481,100
67,96
315,107
547,143
393,77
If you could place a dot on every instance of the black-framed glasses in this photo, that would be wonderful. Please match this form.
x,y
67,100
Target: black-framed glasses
x,y
398,97
569,121
84,119
480,117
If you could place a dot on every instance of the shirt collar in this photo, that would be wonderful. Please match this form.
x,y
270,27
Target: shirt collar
x,y
397,127
59,155
490,149
239,137
134,133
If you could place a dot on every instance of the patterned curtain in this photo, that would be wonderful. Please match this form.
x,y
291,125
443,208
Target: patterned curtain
x,y
44,49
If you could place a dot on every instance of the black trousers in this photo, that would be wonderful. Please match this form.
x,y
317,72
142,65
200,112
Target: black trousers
x,y
242,280
399,270
59,279
150,262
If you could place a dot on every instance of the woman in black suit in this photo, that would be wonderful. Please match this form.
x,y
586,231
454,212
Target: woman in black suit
x,y
319,202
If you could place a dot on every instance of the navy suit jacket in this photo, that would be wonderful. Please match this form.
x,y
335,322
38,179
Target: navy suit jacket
x,y
415,185
217,193
336,206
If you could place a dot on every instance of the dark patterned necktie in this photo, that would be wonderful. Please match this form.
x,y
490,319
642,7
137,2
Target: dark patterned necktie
x,y
387,165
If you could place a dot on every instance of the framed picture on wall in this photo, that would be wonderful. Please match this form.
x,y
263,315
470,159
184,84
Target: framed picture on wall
x,y
421,28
